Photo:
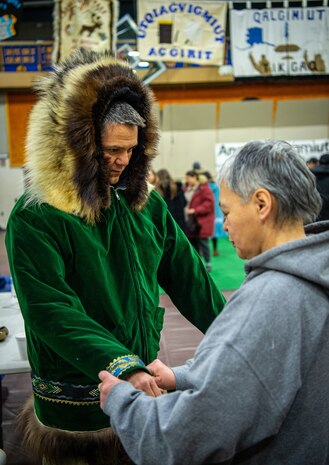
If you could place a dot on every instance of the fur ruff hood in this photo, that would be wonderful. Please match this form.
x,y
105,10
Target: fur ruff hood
x,y
65,165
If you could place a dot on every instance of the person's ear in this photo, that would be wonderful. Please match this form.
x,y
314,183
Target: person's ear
x,y
264,203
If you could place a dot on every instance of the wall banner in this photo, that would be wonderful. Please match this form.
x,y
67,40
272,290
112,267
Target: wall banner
x,y
280,41
88,25
188,32
10,16
307,149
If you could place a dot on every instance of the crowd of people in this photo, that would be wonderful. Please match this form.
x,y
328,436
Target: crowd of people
x,y
194,204
199,214
94,237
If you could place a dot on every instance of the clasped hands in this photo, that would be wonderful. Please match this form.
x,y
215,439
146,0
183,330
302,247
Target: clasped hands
x,y
154,385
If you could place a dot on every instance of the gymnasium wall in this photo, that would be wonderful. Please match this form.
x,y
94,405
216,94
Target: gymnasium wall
x,y
189,133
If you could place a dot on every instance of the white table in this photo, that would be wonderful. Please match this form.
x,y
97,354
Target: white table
x,y
10,360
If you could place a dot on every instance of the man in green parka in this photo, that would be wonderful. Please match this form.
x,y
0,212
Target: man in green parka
x,y
88,245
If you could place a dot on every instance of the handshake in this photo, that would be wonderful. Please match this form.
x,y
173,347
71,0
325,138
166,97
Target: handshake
x,y
160,380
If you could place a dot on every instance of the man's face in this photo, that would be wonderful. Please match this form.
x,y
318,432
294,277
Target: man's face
x,y
241,222
118,142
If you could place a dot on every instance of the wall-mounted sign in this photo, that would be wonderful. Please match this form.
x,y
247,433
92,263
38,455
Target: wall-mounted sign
x,y
126,40
280,41
187,32
307,148
16,56
88,25
10,15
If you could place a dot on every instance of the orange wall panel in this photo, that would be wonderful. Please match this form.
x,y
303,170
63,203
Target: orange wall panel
x,y
18,107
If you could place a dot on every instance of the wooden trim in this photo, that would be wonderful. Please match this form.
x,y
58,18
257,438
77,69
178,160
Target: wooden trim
x,y
196,76
202,86
178,76
291,90
17,80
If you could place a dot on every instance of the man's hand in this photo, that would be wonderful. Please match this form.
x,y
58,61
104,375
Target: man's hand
x,y
142,380
108,382
163,375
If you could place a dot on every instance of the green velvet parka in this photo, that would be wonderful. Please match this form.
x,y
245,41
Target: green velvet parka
x,y
87,258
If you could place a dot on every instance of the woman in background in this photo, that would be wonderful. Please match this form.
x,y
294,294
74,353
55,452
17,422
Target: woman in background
x,y
219,217
173,194
201,203
152,177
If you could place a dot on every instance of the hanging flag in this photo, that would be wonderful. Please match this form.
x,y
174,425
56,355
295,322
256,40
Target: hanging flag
x,y
188,32
86,24
10,15
280,41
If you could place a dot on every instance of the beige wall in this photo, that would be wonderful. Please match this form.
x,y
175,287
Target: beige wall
x,y
189,132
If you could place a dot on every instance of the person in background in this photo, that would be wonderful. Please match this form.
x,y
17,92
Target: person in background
x,y
173,194
321,172
152,177
201,203
219,217
88,245
256,391
196,166
312,162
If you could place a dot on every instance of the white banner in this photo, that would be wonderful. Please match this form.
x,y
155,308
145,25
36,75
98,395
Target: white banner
x,y
307,148
280,41
188,32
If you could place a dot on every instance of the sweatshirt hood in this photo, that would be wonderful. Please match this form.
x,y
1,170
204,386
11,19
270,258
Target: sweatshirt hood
x,y
305,258
64,159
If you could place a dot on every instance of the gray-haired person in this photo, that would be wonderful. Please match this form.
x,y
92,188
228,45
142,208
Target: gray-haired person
x,y
257,390
89,244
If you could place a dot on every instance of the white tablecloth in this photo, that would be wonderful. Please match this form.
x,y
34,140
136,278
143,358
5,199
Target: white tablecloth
x,y
11,317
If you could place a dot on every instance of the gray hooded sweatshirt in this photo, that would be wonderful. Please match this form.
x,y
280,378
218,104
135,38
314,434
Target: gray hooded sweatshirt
x,y
257,390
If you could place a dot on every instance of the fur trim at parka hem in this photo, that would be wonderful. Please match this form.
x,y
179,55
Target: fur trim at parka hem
x,y
64,159
52,446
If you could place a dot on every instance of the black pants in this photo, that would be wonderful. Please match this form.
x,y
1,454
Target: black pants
x,y
202,247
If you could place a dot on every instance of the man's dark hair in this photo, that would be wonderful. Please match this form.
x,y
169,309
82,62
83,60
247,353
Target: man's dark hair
x,y
312,160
